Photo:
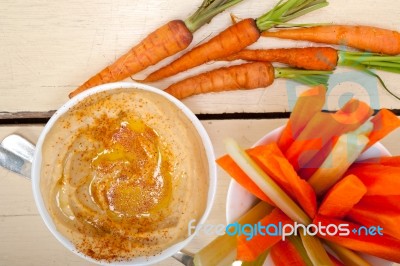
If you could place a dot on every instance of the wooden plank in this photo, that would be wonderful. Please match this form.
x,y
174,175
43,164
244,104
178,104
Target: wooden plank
x,y
25,240
48,49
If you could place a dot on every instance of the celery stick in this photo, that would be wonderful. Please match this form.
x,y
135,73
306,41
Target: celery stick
x,y
347,256
347,149
364,129
296,241
221,247
259,261
265,183
315,250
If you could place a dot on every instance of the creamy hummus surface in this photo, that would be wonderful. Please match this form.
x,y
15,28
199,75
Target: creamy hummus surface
x,y
123,173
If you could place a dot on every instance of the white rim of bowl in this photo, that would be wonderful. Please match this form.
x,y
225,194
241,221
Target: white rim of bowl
x,y
36,165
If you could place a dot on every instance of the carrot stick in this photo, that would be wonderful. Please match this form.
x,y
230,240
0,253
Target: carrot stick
x,y
388,219
379,179
388,161
236,37
165,41
338,201
367,38
249,250
273,162
313,58
226,163
284,253
321,128
245,76
384,123
376,202
382,246
308,104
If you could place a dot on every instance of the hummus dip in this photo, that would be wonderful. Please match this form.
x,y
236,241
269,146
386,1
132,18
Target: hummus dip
x,y
123,173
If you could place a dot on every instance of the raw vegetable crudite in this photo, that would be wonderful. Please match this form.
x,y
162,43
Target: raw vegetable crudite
x,y
245,76
323,58
237,37
366,38
165,41
355,194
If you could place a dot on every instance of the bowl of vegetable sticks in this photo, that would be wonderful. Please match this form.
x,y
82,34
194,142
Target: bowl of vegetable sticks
x,y
320,169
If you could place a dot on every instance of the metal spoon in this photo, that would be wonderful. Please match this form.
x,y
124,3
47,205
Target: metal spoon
x,y
16,155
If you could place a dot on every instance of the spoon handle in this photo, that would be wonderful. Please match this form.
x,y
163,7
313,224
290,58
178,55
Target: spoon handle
x,y
16,154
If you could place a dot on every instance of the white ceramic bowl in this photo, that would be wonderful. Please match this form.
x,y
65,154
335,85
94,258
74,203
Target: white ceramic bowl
x,y
239,200
35,174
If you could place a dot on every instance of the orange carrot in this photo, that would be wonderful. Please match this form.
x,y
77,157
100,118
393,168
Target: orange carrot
x,y
377,202
379,179
273,162
338,201
388,219
384,123
308,104
246,76
226,163
321,128
313,58
236,37
167,40
382,246
231,40
367,38
249,250
388,161
284,253
309,150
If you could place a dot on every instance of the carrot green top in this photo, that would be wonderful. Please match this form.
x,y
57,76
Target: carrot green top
x,y
208,10
291,9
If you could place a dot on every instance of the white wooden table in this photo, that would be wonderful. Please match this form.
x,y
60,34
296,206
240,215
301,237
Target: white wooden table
x,y
47,48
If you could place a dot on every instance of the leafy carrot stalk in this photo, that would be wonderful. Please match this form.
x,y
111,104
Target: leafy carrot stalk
x,y
308,104
367,38
338,201
382,246
250,249
273,162
237,37
165,41
379,179
384,123
245,76
285,253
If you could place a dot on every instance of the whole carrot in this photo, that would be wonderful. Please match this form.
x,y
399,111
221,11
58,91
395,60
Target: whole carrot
x,y
314,58
245,76
367,38
323,58
237,37
165,41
